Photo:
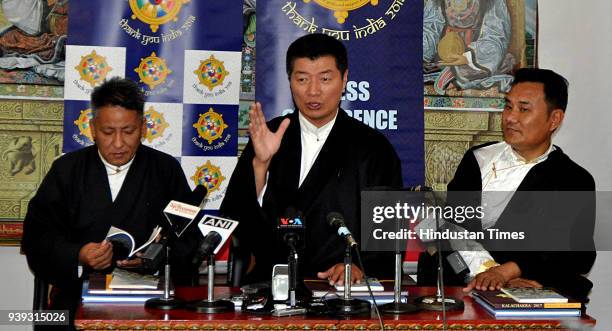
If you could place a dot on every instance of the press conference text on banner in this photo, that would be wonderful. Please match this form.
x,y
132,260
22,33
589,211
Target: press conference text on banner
x,y
380,119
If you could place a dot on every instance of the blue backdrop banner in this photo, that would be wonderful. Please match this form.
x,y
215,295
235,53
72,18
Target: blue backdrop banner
x,y
384,42
186,57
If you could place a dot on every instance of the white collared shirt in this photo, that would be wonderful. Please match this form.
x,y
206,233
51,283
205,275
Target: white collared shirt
x,y
312,139
502,171
116,175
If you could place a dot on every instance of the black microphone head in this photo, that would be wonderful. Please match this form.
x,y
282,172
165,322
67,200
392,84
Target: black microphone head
x,y
290,228
291,238
215,239
207,246
290,212
335,219
198,194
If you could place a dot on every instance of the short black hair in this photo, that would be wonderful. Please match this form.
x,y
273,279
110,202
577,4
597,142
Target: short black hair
x,y
555,85
118,91
314,46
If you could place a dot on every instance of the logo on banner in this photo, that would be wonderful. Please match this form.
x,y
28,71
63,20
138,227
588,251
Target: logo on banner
x,y
341,8
84,138
210,127
156,12
211,72
93,68
209,176
153,70
156,124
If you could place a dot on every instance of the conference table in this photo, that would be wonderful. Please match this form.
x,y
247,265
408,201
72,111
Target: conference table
x,y
116,316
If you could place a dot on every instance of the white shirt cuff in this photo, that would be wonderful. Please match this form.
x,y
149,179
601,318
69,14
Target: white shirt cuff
x,y
476,261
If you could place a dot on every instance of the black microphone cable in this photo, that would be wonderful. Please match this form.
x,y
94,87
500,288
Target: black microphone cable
x,y
336,220
382,325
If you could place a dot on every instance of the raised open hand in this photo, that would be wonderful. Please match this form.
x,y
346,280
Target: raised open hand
x,y
265,142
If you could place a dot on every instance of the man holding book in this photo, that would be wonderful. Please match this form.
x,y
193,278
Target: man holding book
x,y
115,182
527,161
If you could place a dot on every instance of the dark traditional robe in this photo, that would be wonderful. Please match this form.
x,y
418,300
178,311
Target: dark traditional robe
x,y
353,157
73,207
562,270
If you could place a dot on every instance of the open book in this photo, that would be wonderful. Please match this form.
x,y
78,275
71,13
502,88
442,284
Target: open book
x,y
124,245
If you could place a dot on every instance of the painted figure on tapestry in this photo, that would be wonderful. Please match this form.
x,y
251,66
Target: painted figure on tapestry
x,y
32,41
20,155
465,42
249,19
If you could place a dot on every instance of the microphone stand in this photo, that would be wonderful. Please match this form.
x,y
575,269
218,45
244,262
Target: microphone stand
x,y
293,267
167,301
210,305
439,302
294,308
347,305
397,306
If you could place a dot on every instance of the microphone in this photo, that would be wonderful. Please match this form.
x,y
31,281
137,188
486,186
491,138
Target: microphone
x,y
291,227
198,196
207,246
179,216
336,220
216,231
458,265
